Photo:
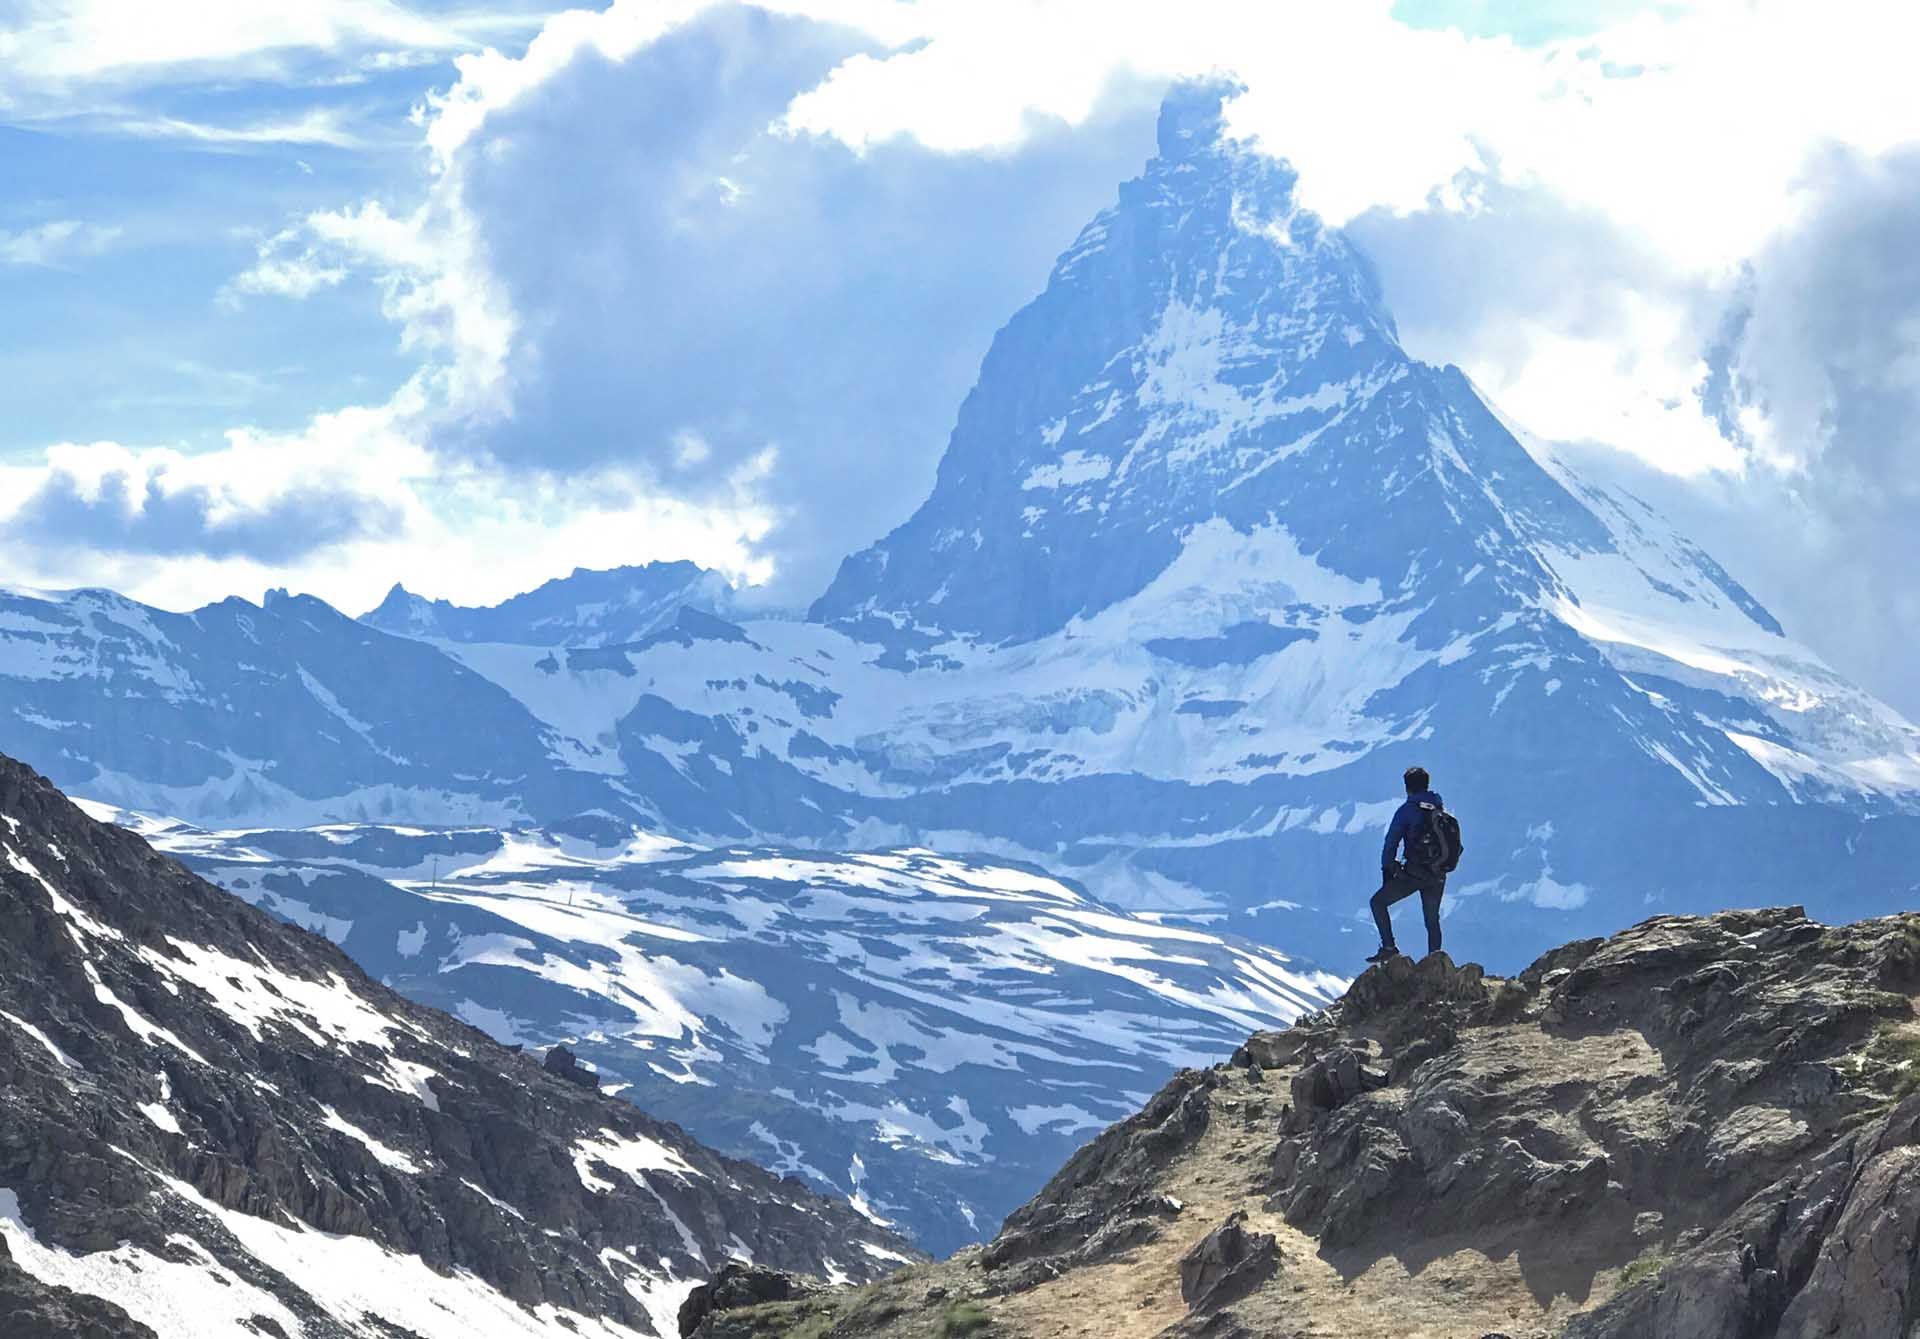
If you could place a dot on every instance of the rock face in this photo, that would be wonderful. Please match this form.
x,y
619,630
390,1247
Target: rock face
x,y
1228,1263
1705,1127
212,1122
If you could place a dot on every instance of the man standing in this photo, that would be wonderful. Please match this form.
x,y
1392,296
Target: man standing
x,y
1411,822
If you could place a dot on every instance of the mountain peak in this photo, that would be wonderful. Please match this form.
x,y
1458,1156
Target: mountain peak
x,y
589,607
1199,331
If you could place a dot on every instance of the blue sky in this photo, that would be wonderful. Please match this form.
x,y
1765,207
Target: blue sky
x,y
1529,22
324,295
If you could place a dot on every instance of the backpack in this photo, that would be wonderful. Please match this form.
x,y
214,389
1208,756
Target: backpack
x,y
1436,846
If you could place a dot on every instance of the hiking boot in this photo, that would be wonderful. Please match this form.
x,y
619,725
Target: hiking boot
x,y
1386,951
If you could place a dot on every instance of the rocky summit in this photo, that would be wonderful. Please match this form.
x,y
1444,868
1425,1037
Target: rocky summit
x,y
213,1123
1702,1127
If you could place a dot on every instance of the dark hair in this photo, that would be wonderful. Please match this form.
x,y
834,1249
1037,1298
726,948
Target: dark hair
x,y
1417,779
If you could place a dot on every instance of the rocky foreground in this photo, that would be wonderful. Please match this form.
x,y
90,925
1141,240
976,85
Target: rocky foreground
x,y
1700,1127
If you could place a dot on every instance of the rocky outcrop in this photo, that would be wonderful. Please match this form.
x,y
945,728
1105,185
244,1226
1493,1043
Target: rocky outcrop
x,y
1104,1201
734,1285
1228,1263
1706,1127
200,1101
565,1064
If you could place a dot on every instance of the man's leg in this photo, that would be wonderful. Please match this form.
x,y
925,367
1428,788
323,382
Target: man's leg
x,y
1393,890
1430,895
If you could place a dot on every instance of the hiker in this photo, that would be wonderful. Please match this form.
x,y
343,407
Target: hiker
x,y
1431,840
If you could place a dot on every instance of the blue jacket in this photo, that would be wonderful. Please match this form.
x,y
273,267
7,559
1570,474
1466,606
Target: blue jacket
x,y
1406,822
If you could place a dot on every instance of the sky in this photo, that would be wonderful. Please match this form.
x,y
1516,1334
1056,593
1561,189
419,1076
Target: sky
x,y
467,295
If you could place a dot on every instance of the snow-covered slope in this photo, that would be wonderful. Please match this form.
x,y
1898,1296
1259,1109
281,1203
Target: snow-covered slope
x,y
215,1124
926,1036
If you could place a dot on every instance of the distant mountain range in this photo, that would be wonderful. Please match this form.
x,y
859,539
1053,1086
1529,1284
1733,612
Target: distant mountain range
x,y
611,608
1208,561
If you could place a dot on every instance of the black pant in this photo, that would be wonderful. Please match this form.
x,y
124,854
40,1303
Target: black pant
x,y
1404,884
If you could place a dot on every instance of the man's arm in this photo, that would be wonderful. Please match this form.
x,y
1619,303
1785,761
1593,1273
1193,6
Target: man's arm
x,y
1396,833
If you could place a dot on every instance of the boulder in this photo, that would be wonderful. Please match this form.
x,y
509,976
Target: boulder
x,y
736,1284
564,1063
1227,1264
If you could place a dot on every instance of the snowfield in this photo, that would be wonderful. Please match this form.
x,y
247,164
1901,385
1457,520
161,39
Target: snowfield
x,y
906,1008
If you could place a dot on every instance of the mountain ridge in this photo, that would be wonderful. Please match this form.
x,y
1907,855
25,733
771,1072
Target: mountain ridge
x,y
588,608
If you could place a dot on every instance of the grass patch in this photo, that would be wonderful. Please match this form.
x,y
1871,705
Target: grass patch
x,y
784,1320
1899,1049
961,1319
1649,1264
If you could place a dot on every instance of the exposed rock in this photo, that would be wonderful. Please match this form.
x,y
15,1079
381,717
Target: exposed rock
x,y
1103,1200
1228,1263
1403,983
567,1065
738,1284
1329,1082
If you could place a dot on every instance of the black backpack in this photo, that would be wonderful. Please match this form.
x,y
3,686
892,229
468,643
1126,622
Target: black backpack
x,y
1436,846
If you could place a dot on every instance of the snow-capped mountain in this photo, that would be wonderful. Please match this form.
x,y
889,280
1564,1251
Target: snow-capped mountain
x,y
926,1036
288,708
610,608
214,1123
1209,560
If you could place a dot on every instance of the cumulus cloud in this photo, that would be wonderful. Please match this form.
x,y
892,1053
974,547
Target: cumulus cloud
x,y
259,497
345,507
627,263
284,269
121,515
1817,375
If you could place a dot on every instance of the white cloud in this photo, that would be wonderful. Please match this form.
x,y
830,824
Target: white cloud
x,y
288,277
318,125
133,40
457,531
52,243
1371,111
